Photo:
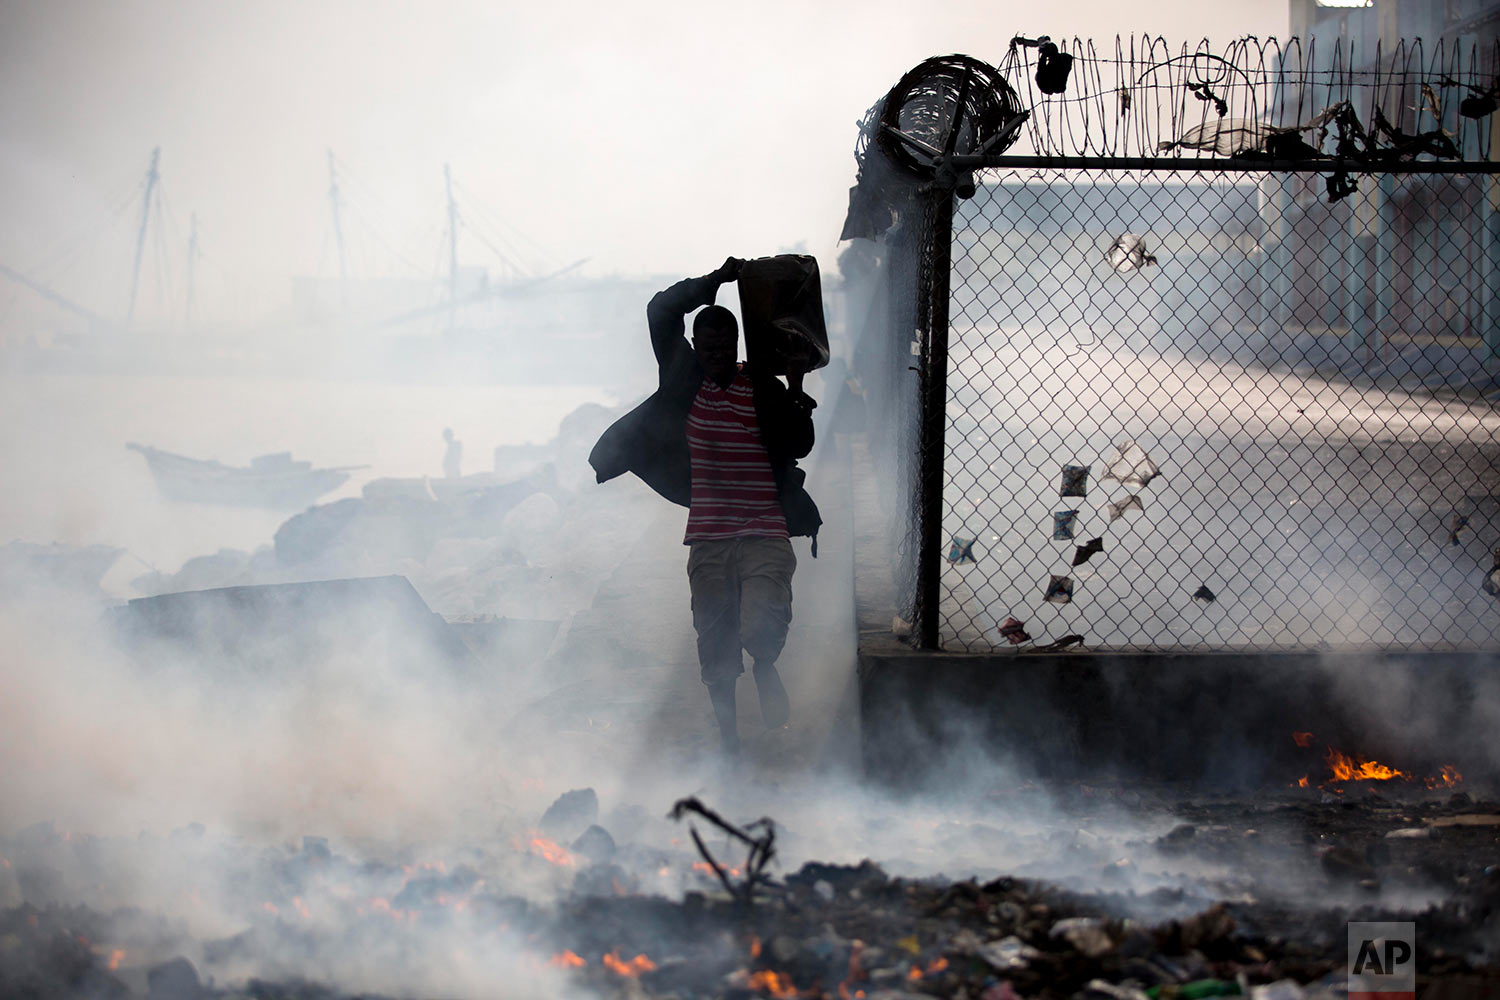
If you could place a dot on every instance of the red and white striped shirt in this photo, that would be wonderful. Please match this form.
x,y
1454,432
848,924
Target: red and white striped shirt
x,y
733,489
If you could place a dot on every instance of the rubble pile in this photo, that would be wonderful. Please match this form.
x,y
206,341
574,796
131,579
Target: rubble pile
x,y
587,914
530,540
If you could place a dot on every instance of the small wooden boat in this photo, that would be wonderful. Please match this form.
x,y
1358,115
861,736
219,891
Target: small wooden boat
x,y
272,481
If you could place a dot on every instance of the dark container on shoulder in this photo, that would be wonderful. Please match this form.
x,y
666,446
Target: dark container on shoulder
x,y
781,305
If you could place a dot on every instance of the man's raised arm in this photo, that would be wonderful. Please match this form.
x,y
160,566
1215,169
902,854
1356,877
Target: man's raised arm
x,y
665,311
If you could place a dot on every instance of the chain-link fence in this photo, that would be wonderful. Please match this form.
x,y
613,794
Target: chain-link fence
x,y
1208,359
1193,409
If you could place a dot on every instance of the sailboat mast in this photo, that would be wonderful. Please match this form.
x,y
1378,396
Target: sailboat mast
x,y
338,231
452,248
140,240
187,308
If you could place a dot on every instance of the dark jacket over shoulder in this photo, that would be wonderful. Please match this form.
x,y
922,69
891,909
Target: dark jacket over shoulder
x,y
651,440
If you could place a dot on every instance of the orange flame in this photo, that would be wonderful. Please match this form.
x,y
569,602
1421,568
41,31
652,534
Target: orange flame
x,y
632,968
1447,778
270,908
915,973
551,852
707,869
1356,768
773,984
1302,781
115,958
937,965
755,947
567,960
1303,740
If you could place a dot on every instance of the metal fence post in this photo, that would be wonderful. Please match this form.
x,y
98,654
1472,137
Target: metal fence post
x,y
934,419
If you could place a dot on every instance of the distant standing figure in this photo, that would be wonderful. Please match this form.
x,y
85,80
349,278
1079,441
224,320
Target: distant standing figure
x,y
453,457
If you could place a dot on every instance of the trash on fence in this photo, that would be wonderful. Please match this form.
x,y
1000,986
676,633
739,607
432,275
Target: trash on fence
x,y
1460,522
1131,465
1124,93
1014,632
1204,594
1117,509
1087,551
961,551
1225,136
1060,590
1075,481
900,627
1492,578
1052,67
1062,524
1128,253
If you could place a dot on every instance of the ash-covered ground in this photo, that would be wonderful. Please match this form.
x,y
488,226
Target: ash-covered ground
x,y
367,822
1020,891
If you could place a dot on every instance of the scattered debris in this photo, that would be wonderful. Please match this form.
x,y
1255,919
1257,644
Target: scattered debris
x,y
1117,509
961,550
1013,631
1130,465
762,848
1128,253
1075,479
1059,590
1087,551
1062,524
1204,595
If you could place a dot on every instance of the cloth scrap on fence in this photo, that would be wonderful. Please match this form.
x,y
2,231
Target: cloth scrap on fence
x,y
1062,524
1131,466
1460,522
1128,253
1075,481
1117,509
1087,551
1014,631
1059,590
961,550
1491,583
1204,594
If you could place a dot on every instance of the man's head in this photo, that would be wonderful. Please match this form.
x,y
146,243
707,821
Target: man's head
x,y
716,341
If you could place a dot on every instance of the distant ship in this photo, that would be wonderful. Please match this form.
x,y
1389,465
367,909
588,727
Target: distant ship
x,y
272,481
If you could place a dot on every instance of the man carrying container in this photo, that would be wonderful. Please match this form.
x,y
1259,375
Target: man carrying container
x,y
723,438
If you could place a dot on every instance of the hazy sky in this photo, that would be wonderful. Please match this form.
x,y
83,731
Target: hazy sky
x,y
649,137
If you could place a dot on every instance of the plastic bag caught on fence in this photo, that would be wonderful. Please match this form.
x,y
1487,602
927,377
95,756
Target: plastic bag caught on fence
x,y
1087,551
1130,465
1014,631
1075,481
1117,509
961,551
1491,582
1059,590
1128,253
1062,524
1204,595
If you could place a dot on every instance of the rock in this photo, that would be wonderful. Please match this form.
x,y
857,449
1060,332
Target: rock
x,y
1086,934
1346,864
174,980
1213,924
570,815
595,843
